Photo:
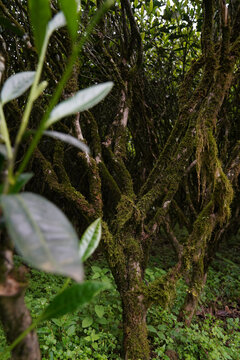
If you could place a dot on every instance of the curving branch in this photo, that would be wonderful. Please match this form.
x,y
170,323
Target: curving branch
x,y
135,34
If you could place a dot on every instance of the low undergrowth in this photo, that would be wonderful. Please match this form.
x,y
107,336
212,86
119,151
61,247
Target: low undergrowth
x,y
96,331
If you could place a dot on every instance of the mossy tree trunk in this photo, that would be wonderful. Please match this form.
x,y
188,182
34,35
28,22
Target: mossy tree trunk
x,y
215,182
134,305
14,315
135,330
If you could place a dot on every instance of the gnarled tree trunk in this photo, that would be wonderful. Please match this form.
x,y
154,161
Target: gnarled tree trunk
x,y
14,315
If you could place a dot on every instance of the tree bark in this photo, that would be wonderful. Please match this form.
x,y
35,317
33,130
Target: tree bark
x,y
14,315
16,318
135,331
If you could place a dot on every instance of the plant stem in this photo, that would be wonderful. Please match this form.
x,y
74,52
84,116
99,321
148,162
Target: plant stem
x,y
32,97
66,75
12,155
5,133
65,285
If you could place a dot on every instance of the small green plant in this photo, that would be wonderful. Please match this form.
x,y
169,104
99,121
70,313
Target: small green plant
x,y
94,332
69,299
38,229
208,337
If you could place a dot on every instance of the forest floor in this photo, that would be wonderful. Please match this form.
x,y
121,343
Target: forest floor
x,y
95,332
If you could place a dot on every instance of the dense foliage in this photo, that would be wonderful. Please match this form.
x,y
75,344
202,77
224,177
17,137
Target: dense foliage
x,y
164,161
95,332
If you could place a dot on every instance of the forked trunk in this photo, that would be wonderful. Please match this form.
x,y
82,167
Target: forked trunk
x,y
191,302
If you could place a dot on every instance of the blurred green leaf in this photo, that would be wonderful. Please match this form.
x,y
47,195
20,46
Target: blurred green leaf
x,y
68,139
40,14
56,22
152,329
71,299
99,310
71,330
81,101
20,182
70,10
87,321
150,6
42,234
16,85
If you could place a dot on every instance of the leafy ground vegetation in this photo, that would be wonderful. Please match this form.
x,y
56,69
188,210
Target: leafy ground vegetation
x,y
96,331
165,150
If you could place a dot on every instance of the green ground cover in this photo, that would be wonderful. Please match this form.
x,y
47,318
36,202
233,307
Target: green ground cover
x,y
95,332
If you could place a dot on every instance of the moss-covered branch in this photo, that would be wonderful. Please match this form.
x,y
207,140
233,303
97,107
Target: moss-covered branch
x,y
65,189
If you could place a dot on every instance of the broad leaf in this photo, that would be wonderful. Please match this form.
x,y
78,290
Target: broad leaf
x,y
21,181
150,6
70,10
16,85
90,240
99,310
87,321
57,22
40,14
152,329
68,139
71,299
42,234
81,101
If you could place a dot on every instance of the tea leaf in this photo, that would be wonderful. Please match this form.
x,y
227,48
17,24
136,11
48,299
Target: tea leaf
x,y
57,22
71,299
21,181
16,85
42,234
90,240
81,101
68,139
